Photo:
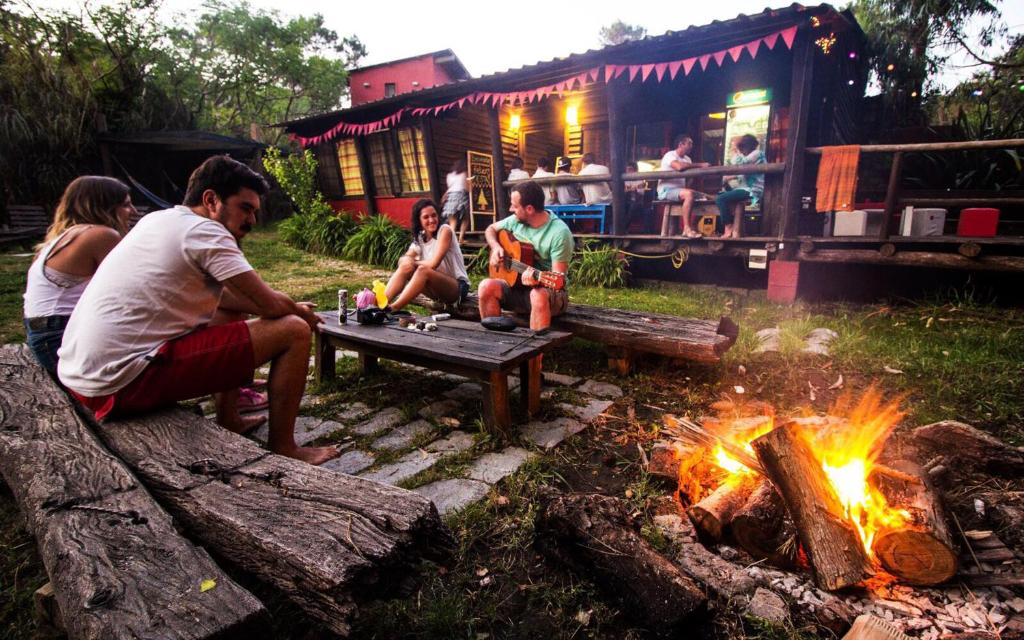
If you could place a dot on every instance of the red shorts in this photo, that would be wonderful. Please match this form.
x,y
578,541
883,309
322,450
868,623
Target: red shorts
x,y
206,361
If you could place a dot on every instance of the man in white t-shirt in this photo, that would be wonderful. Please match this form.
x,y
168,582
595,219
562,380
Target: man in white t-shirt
x,y
544,171
678,159
517,172
595,192
161,319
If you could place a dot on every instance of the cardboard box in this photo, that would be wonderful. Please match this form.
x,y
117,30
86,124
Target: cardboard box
x,y
979,222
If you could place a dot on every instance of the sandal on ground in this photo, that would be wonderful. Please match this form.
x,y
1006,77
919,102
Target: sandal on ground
x,y
249,400
692,233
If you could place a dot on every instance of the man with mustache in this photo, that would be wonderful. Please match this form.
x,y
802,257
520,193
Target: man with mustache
x,y
163,318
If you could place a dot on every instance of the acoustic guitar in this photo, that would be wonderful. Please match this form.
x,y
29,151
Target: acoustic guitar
x,y
518,260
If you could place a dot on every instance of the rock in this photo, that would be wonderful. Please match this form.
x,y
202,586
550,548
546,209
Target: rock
x,y
439,409
664,462
309,428
1017,604
353,411
560,379
818,341
768,606
454,442
465,391
351,462
453,495
383,419
601,389
591,410
309,400
548,435
768,340
492,467
403,436
404,468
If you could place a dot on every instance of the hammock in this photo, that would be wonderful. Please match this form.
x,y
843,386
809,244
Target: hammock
x,y
149,195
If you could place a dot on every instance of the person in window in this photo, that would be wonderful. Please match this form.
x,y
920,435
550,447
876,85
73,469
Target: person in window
x,y
517,172
433,264
544,171
90,219
675,189
567,193
456,200
595,192
745,150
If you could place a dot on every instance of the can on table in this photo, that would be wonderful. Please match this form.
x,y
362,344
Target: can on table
x,y
342,306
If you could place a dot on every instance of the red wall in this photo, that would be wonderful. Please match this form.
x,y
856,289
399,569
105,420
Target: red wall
x,y
422,70
397,209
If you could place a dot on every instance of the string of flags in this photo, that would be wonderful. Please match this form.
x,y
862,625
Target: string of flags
x,y
605,73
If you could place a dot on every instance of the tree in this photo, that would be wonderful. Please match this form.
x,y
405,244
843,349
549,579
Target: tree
x,y
619,32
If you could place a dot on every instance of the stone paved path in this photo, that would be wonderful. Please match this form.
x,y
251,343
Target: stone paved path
x,y
385,445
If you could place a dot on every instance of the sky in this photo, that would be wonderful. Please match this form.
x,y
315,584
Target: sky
x,y
495,36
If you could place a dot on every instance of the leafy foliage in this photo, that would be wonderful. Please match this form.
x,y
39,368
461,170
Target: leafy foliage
x,y
296,173
378,241
478,262
599,266
619,32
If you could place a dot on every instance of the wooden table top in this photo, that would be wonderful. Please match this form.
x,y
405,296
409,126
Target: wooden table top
x,y
456,341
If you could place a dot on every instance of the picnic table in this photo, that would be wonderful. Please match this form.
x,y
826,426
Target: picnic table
x,y
458,346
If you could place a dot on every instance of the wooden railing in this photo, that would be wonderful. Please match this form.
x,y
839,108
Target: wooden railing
x,y
892,193
724,170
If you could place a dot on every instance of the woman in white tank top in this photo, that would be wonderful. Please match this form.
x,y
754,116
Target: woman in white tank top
x,y
90,219
433,264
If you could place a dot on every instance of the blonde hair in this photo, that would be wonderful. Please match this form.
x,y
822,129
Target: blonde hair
x,y
89,200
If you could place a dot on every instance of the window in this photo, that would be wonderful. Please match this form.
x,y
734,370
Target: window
x,y
383,163
328,178
389,89
348,164
414,160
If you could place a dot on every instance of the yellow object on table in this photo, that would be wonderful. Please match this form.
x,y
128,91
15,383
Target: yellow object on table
x,y
378,291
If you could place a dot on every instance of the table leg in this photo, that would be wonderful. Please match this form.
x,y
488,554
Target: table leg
x,y
323,362
367,363
529,385
497,417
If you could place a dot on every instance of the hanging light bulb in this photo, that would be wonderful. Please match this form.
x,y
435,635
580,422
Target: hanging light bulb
x,y
890,67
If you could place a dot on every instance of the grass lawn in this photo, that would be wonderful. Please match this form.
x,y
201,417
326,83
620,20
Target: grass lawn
x,y
953,359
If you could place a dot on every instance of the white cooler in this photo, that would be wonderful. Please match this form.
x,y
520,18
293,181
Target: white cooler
x,y
858,223
922,222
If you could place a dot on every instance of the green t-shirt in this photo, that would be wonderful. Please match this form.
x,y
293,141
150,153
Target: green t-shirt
x,y
551,242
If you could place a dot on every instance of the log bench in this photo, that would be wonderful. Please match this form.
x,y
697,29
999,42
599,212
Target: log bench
x,y
118,566
28,223
626,334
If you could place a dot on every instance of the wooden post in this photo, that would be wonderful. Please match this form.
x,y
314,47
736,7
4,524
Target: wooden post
x,y
497,417
785,215
498,151
892,195
323,364
427,126
617,156
364,173
529,385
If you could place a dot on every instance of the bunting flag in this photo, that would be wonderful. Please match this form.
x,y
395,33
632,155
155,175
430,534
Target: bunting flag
x,y
590,76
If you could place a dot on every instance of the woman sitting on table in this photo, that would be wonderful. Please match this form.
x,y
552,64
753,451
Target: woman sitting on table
x,y
748,187
433,264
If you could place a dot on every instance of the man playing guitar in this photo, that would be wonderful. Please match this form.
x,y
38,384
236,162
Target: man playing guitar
x,y
552,250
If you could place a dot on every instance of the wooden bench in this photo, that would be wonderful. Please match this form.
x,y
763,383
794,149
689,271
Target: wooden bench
x,y
581,212
28,223
626,334
117,564
463,348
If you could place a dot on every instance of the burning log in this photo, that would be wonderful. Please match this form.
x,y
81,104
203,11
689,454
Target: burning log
x,y
714,513
919,550
830,539
762,527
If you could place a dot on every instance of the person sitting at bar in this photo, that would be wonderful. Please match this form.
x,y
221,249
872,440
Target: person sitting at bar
x,y
675,190
433,264
745,151
456,200
517,172
544,171
567,193
595,192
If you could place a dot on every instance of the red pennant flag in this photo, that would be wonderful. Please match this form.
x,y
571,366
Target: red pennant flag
x,y
647,69
583,78
688,65
462,101
633,70
770,40
673,68
659,70
437,110
609,69
735,53
788,35
719,57
752,47
619,70
704,59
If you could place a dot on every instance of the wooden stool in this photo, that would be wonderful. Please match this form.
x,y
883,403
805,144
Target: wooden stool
x,y
674,209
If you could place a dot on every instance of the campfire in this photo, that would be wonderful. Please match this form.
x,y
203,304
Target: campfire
x,y
815,491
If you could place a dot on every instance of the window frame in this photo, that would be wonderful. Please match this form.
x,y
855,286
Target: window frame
x,y
391,170
346,191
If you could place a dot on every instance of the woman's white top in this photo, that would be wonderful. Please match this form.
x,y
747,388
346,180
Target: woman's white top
x,y
457,182
452,265
50,292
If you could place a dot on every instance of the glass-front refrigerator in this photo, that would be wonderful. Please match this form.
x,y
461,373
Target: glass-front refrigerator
x,y
746,112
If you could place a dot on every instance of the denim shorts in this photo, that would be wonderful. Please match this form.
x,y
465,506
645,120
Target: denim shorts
x,y
669,193
44,335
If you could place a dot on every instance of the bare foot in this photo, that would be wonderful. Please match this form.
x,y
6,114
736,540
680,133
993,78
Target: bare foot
x,y
244,425
312,455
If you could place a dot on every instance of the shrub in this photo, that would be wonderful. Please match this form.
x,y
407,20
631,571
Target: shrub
x,y
598,266
377,241
478,262
296,174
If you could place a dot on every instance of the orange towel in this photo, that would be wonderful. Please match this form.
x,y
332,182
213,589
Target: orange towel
x,y
837,178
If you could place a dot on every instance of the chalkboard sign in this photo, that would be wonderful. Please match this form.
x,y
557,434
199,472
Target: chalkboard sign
x,y
481,196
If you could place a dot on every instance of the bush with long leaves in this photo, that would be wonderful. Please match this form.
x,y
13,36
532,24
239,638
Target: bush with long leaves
x,y
377,241
599,266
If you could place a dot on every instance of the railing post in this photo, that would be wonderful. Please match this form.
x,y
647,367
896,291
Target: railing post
x,y
617,159
892,195
498,151
796,136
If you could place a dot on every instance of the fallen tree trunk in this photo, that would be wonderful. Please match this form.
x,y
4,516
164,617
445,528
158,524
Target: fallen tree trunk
x,y
830,539
968,447
762,526
118,566
326,540
715,512
595,535
919,550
